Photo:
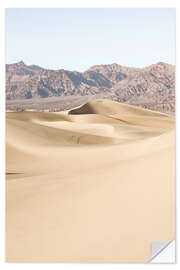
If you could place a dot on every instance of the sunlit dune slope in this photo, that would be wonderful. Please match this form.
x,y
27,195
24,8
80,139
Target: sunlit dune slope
x,y
95,184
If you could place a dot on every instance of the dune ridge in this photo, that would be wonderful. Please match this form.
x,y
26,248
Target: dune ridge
x,y
93,184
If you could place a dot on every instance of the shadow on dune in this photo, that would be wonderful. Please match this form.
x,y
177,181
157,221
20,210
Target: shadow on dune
x,y
85,109
12,173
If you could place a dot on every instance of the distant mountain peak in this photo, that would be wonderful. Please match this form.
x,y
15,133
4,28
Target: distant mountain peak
x,y
20,63
161,64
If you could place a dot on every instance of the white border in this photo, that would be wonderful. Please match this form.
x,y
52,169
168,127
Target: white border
x,y
90,3
75,4
2,135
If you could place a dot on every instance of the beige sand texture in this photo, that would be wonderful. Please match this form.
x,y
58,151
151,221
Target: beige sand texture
x,y
95,184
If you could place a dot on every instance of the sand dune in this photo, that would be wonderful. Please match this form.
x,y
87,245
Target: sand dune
x,y
95,184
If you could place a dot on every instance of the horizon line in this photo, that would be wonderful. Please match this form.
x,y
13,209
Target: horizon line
x,y
115,63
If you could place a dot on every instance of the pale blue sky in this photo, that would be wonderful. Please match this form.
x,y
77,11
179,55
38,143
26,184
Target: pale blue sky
x,y
76,39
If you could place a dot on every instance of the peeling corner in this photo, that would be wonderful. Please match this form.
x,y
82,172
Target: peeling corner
x,y
158,247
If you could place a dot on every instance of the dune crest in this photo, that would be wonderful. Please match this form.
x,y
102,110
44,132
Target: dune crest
x,y
109,107
93,184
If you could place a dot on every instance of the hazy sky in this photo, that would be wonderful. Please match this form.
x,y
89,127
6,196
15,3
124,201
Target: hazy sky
x,y
76,39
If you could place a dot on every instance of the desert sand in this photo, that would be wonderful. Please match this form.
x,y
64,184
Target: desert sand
x,y
95,184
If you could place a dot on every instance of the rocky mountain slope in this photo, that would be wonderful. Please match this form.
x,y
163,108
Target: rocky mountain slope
x,y
151,87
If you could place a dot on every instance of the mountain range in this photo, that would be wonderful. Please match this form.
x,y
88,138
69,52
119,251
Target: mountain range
x,y
151,87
